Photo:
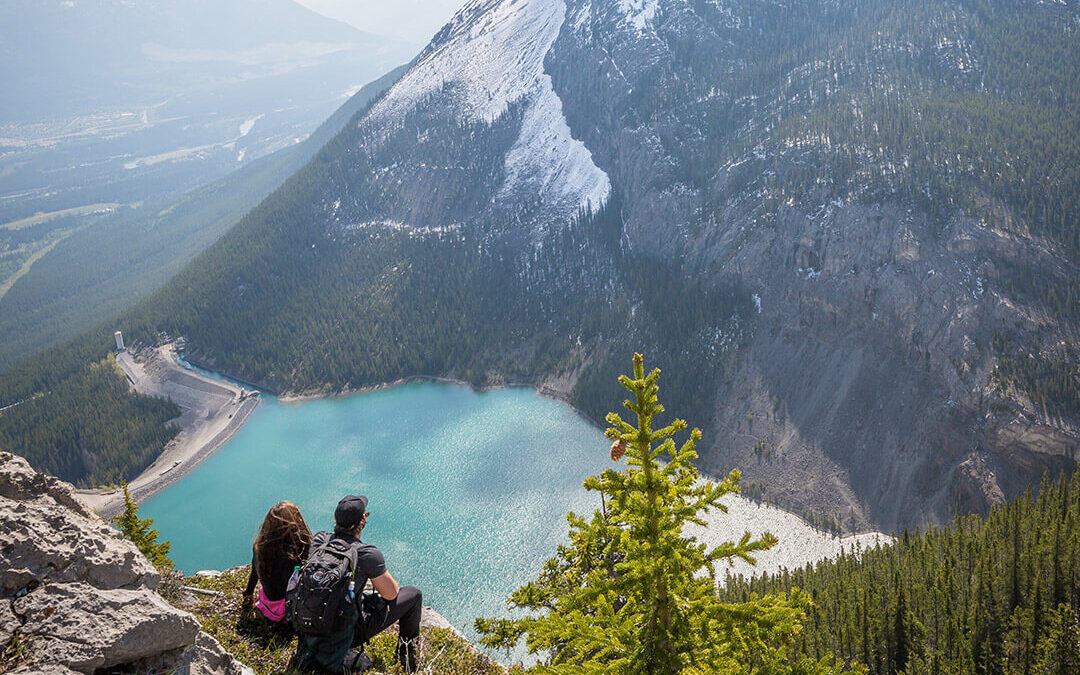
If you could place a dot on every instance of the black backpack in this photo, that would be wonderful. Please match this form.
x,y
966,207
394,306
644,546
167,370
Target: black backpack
x,y
319,598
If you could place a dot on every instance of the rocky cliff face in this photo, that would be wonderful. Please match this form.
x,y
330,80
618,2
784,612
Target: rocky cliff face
x,y
75,597
864,384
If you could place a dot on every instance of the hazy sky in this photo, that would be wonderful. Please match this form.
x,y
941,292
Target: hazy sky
x,y
412,20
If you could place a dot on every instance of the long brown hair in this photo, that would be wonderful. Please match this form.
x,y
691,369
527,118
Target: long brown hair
x,y
283,533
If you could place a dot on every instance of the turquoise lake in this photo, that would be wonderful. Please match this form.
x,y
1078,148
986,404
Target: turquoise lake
x,y
468,491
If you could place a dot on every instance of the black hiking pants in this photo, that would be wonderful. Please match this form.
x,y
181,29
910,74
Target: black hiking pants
x,y
405,609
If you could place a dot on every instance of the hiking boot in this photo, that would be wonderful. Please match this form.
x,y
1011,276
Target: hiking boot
x,y
356,662
408,654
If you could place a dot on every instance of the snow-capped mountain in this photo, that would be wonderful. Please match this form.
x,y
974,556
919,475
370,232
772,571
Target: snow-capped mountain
x,y
846,230
488,58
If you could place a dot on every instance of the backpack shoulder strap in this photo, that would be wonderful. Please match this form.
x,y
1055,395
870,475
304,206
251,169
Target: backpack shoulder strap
x,y
349,548
354,556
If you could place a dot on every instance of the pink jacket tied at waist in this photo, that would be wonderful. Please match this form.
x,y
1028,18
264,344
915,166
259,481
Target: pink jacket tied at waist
x,y
271,609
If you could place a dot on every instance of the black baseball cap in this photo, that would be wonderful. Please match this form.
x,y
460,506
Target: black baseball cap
x,y
350,510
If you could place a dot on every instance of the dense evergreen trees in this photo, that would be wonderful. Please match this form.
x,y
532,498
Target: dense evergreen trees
x,y
1051,379
373,262
994,595
79,421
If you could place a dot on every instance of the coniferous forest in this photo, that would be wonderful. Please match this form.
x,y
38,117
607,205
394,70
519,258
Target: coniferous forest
x,y
84,425
996,595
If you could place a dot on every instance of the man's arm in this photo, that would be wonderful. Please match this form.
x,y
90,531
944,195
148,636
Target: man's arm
x,y
371,563
385,586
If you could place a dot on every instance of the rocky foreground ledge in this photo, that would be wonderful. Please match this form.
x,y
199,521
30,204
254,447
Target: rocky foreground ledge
x,y
75,597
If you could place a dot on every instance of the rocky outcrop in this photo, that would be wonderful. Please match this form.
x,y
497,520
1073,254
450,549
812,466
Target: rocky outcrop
x,y
75,597
862,385
865,390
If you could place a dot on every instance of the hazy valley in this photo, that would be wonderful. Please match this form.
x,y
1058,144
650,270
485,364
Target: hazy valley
x,y
125,117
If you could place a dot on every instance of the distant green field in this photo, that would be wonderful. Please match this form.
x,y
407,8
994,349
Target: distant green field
x,y
6,284
39,218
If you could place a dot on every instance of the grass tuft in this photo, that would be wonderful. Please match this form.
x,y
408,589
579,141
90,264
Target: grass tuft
x,y
13,654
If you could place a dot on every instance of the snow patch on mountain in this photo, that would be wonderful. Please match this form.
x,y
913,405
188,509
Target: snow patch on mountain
x,y
492,55
583,14
548,159
639,12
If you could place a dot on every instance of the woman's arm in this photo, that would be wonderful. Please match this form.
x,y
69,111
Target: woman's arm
x,y
252,577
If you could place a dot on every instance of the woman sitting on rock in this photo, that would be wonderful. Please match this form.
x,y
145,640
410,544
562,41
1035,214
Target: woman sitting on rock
x,y
282,544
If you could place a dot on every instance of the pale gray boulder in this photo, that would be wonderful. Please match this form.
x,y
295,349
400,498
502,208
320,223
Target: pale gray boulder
x,y
50,536
8,622
79,597
45,669
45,541
87,628
207,657
20,482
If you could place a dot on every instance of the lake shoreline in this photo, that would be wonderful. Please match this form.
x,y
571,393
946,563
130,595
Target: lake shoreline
x,y
544,391
212,412
194,455
190,449
288,397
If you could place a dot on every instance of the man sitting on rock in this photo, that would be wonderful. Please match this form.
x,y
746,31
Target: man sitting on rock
x,y
365,616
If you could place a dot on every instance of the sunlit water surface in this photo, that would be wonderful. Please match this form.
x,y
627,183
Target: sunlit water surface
x,y
468,491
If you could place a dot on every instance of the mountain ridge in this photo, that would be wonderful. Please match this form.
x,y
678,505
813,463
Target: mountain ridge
x,y
843,305
842,250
